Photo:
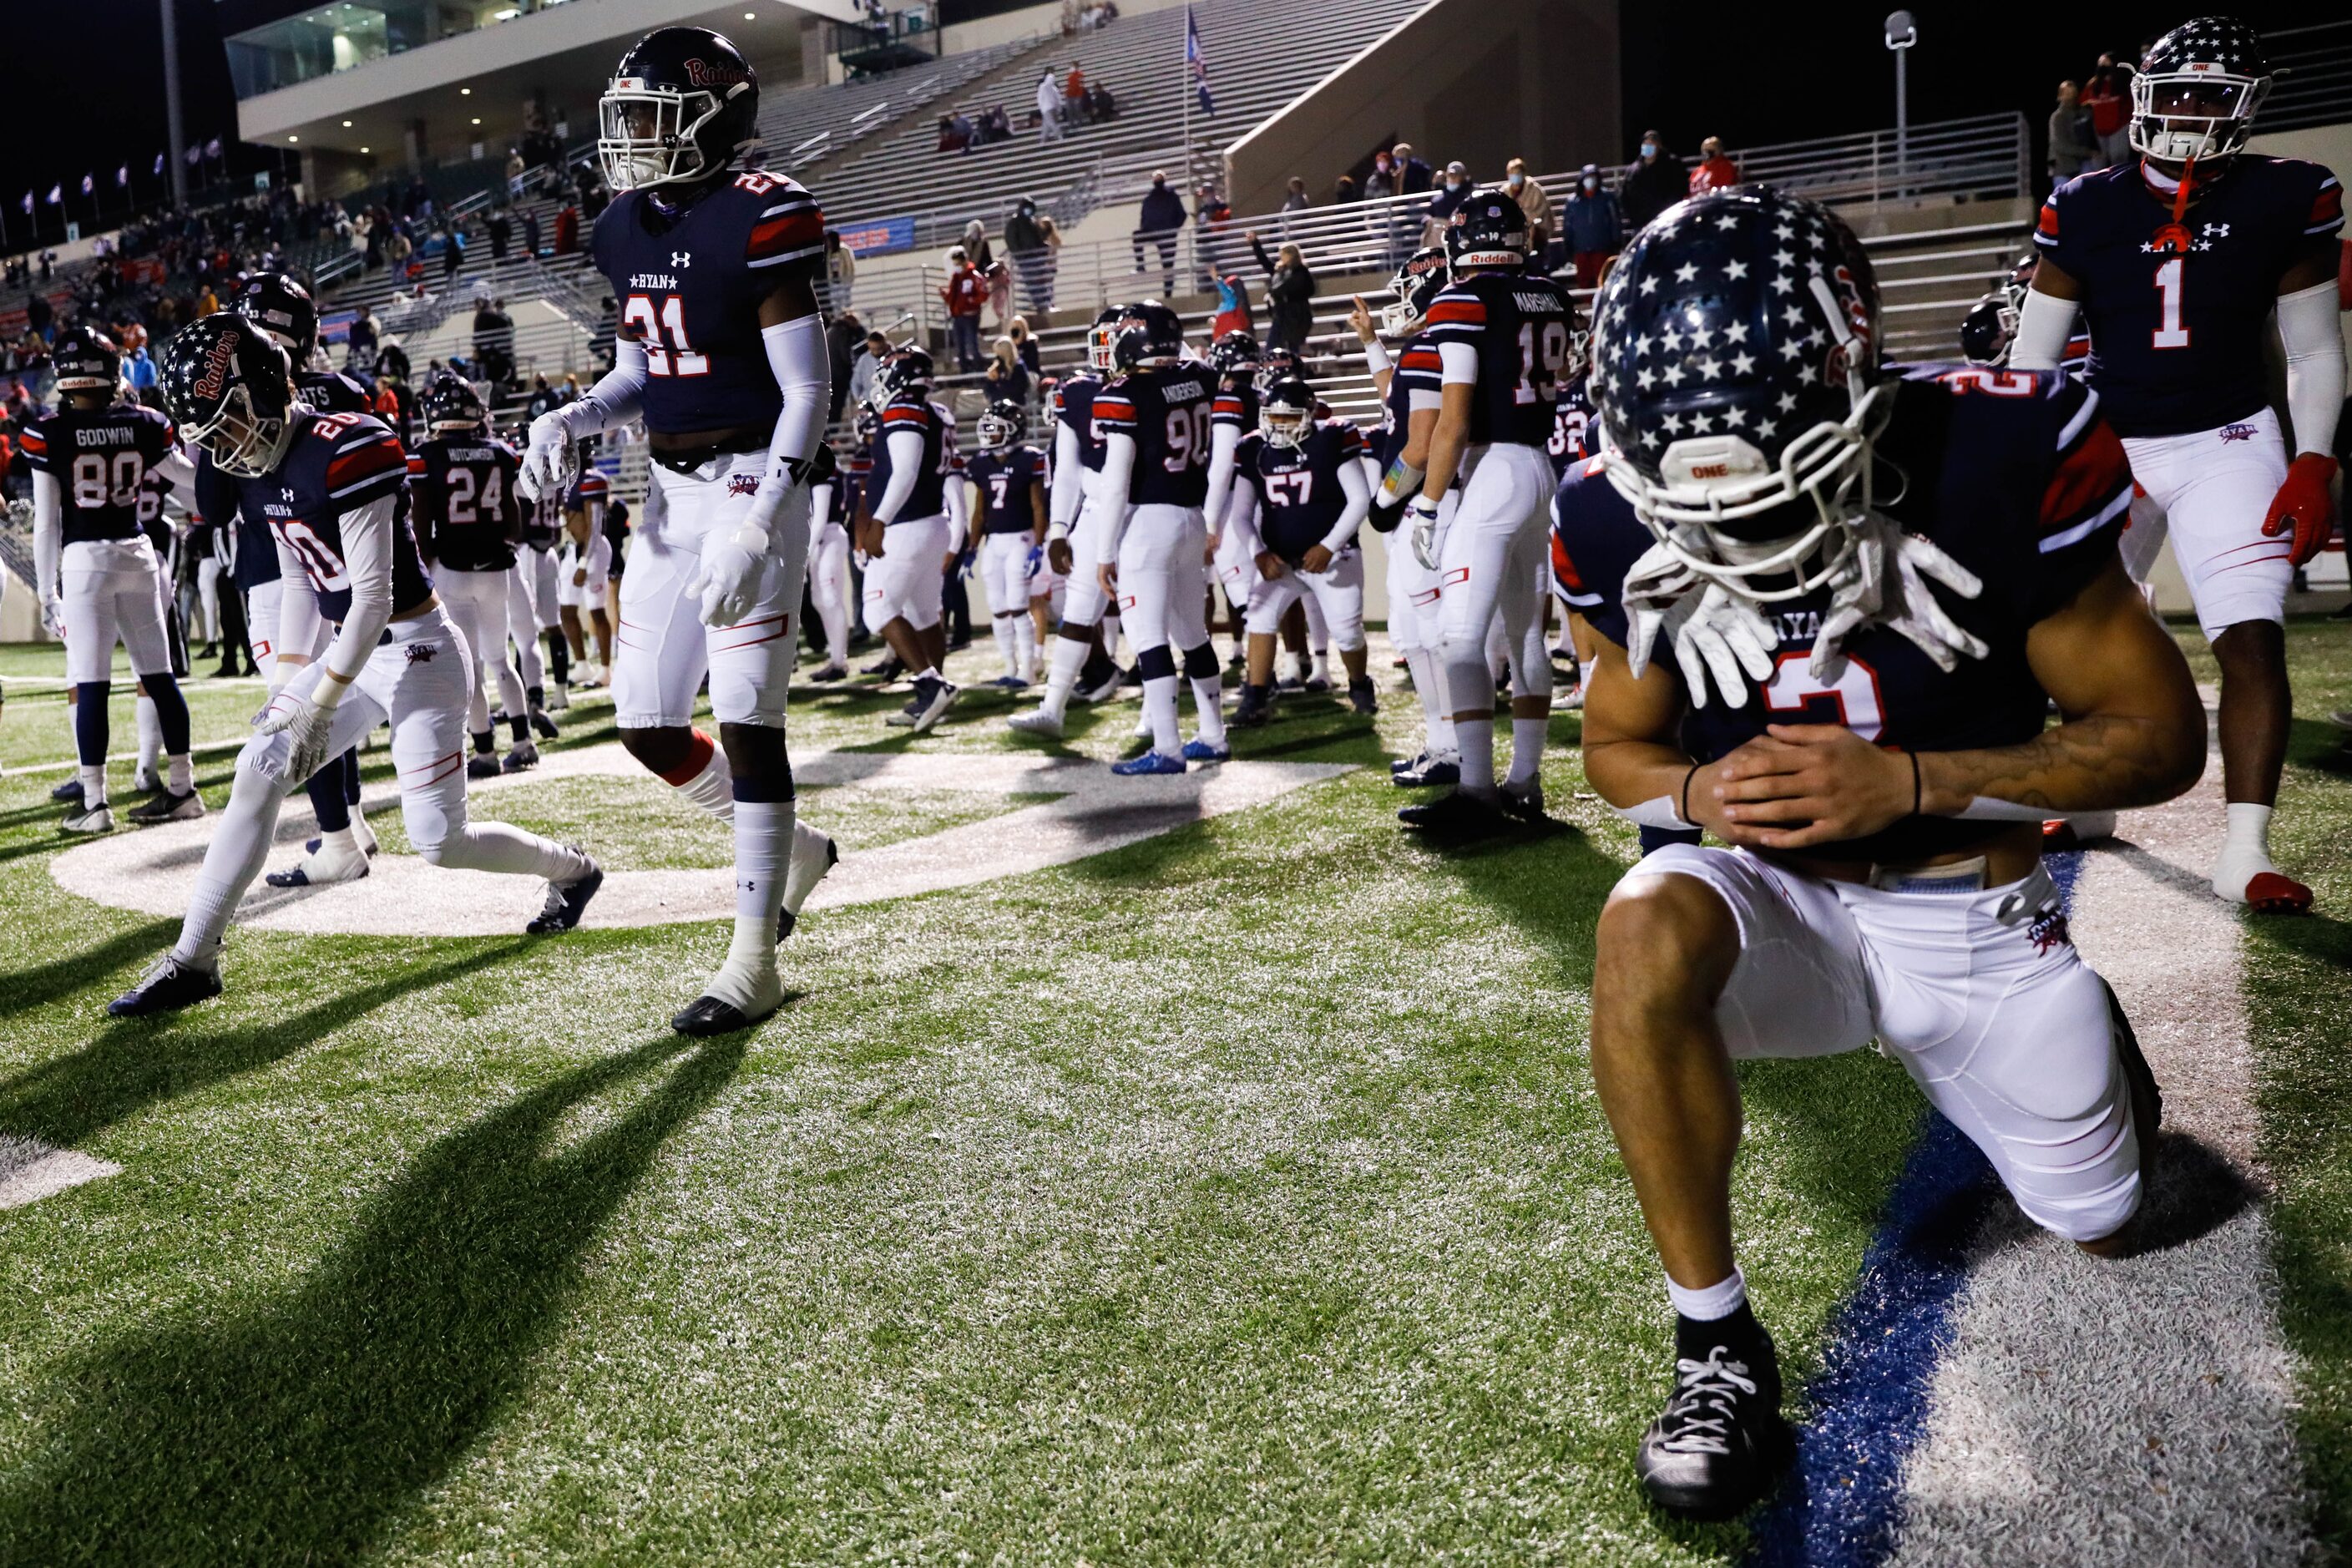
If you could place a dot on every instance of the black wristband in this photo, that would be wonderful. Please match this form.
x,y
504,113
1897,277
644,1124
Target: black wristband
x,y
1915,783
1684,812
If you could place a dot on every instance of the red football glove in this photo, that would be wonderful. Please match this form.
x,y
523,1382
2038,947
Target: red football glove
x,y
2304,504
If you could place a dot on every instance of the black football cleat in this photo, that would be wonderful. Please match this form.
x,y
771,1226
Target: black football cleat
x,y
1524,803
168,805
1457,816
1720,1442
543,725
1363,697
707,1015
482,765
566,902
167,987
69,791
1254,709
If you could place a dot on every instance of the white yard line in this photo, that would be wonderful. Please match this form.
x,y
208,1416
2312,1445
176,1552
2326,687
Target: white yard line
x,y
2139,1411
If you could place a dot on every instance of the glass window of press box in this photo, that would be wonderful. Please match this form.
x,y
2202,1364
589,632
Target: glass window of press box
x,y
351,33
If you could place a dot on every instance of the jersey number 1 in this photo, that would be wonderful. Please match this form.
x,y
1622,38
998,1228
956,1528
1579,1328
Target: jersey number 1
x,y
639,313
2170,333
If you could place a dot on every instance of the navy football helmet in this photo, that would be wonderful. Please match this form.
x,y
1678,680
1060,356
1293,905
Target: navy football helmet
x,y
452,407
1002,425
1287,411
1990,326
1236,351
682,104
1488,229
1146,336
1416,286
1736,374
2195,94
85,360
866,426
907,372
282,308
1099,333
228,389
1277,364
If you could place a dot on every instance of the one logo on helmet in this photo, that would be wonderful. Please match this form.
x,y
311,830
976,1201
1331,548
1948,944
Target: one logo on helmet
x,y
2237,432
218,363
704,73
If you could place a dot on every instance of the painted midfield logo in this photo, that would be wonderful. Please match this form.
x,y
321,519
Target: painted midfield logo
x,y
2237,432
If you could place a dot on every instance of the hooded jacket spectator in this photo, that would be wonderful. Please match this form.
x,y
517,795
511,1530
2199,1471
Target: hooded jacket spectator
x,y
1652,182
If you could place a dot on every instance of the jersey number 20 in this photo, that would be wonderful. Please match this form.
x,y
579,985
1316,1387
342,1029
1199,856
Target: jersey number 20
x,y
640,314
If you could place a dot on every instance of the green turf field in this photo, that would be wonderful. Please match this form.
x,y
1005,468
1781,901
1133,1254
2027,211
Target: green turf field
x,y
1237,1196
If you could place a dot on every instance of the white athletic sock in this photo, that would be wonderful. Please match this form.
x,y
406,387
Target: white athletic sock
x,y
1527,748
835,619
1208,709
764,843
1425,678
1008,647
151,734
239,846
1711,1302
362,834
183,773
1069,655
1320,668
1110,634
93,787
2245,850
1025,647
510,851
704,779
340,838
1159,713
1476,737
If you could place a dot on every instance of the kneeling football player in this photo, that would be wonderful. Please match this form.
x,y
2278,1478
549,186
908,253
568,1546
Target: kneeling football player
x,y
331,486
1873,753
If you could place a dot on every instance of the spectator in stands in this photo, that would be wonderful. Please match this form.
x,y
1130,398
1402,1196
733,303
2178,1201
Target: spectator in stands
x,y
1595,227
1716,171
1535,202
1652,182
39,315
1212,219
499,226
140,368
1295,199
951,139
1232,309
964,293
594,197
1343,191
1101,107
1413,176
840,271
545,399
2072,150
1049,107
975,244
567,230
2107,97
1452,192
529,233
998,278
843,334
1160,221
863,370
1289,296
1382,183
1025,241
360,342
494,342
1025,344
1074,94
1006,375
453,251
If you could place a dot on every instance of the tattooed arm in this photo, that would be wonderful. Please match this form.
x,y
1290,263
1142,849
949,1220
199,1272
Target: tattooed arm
x,y
2133,734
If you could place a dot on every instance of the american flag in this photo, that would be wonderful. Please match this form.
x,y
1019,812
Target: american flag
x,y
1195,64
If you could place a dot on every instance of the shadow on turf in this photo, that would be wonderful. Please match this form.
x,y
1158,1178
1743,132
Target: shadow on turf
x,y
45,982
296,1431
133,1065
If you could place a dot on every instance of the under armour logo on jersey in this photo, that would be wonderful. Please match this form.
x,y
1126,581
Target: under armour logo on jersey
x,y
681,258
2217,231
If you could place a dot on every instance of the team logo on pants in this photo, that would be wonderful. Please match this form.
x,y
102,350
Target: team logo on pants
x,y
742,484
421,653
2237,432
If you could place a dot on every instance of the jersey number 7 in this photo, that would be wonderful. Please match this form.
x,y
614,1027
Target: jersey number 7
x,y
640,314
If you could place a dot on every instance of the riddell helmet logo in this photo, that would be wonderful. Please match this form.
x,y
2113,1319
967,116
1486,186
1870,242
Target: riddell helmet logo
x,y
703,73
215,380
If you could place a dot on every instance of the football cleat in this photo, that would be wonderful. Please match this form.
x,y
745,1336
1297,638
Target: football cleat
x,y
165,806
1101,690
145,781
1316,685
813,854
522,756
933,697
482,765
567,901
1254,709
1363,697
1429,773
1037,721
1009,683
707,1015
1407,764
322,864
1568,699
1150,765
2272,893
167,987
889,667
1457,816
1199,751
362,834
1525,803
830,670
69,791
93,819
1717,1446
559,697
543,725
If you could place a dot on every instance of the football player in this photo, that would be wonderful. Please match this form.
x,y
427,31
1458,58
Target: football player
x,y
1233,416
95,570
1873,753
1409,383
1302,496
2178,262
831,503
721,355
462,482
1008,480
1154,414
582,573
534,617
906,533
329,485
1503,337
1075,545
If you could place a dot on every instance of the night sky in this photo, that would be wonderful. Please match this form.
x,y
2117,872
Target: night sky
x,y
1748,73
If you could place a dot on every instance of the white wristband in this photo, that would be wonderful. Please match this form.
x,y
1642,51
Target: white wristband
x,y
1376,356
1984,809
1658,812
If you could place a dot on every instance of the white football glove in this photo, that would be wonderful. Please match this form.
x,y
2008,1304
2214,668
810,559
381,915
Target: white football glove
x,y
305,724
1889,588
550,462
53,615
728,575
1714,631
1421,513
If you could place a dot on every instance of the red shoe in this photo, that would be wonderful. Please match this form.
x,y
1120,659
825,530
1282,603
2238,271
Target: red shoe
x,y
2058,836
2271,894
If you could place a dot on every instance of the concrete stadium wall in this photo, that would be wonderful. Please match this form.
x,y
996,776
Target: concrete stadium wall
x,y
1480,81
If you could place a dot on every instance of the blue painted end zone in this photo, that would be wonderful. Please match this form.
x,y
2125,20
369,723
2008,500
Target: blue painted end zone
x,y
1840,1506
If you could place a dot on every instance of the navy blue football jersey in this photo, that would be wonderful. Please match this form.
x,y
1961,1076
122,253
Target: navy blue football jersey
x,y
1519,326
2013,474
467,509
1004,479
335,464
217,502
332,392
1572,418
1073,405
1418,369
689,289
2178,313
100,458
1236,402
1167,414
1297,488
541,522
929,421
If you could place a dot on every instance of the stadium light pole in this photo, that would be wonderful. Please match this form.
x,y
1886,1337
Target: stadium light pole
x,y
1902,33
179,168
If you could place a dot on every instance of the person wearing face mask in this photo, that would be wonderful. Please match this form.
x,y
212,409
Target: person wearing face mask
x,y
1534,202
1595,227
1652,182
1716,171
1383,181
1161,220
1452,192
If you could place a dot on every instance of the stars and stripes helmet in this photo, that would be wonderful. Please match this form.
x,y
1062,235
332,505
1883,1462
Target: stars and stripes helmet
x,y
1002,425
452,407
1099,333
227,387
907,372
1285,412
1736,374
1233,352
1277,364
1417,283
1148,335
682,105
284,310
85,360
2195,94
1488,229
